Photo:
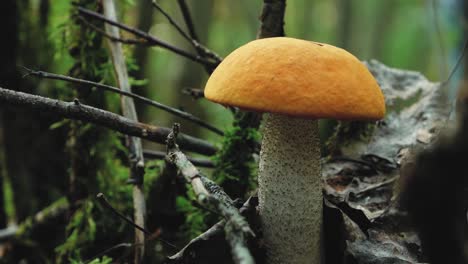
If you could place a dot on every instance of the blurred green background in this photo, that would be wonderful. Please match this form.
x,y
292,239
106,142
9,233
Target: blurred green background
x,y
424,36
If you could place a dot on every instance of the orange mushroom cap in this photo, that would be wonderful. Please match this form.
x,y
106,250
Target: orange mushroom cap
x,y
299,78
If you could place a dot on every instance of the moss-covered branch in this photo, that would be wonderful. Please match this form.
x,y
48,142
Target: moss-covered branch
x,y
46,215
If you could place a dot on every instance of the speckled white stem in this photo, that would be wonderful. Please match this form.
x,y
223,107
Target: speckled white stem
x,y
290,190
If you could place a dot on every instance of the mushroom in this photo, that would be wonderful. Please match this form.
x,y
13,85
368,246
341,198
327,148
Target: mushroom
x,y
295,82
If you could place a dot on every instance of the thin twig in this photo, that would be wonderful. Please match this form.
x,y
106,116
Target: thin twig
x,y
151,39
118,39
77,111
187,18
174,111
103,200
172,21
105,252
194,92
452,73
438,31
209,235
196,204
192,39
201,50
459,60
125,245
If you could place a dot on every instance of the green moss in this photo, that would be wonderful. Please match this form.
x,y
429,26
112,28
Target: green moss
x,y
235,164
9,204
98,157
196,219
81,229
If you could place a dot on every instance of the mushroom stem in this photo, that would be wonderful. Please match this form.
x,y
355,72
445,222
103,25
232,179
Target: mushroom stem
x,y
290,193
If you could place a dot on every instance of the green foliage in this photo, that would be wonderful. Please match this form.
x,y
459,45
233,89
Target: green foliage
x,y
152,170
235,171
196,220
91,222
7,196
129,2
235,166
96,155
230,163
59,33
81,229
135,82
27,226
112,177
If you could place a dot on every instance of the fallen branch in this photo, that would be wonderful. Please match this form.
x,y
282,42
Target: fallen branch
x,y
205,240
211,195
76,110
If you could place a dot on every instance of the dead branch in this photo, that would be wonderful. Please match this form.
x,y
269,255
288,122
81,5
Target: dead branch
x,y
118,39
217,230
211,195
103,200
134,145
187,18
174,111
194,92
77,111
53,211
212,234
171,21
192,39
153,41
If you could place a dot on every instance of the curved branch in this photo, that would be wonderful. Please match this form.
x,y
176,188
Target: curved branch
x,y
174,111
151,39
76,110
